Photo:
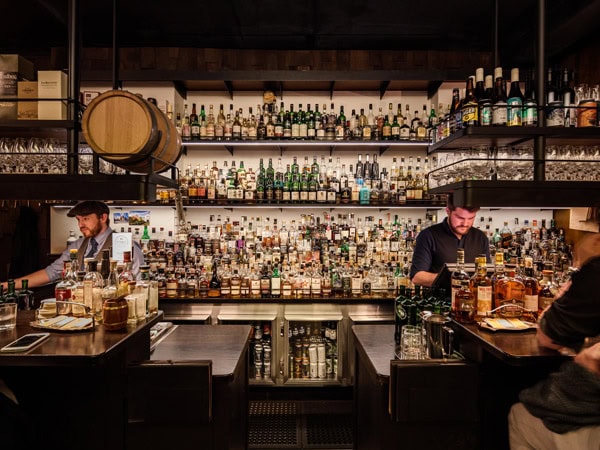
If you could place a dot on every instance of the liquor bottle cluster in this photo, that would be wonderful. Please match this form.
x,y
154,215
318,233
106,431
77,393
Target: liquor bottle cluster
x,y
411,304
523,288
23,297
312,350
487,101
91,286
319,182
270,122
260,350
255,258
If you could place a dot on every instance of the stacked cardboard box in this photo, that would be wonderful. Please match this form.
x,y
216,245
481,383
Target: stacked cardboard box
x,y
13,68
52,84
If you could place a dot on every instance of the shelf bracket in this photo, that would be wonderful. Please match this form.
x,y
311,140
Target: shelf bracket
x,y
432,88
180,89
383,149
229,148
383,88
229,87
331,89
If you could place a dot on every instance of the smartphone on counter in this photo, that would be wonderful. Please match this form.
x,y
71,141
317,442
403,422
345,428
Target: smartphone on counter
x,y
26,342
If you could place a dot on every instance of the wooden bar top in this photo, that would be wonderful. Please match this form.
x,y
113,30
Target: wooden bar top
x,y
82,348
224,345
518,348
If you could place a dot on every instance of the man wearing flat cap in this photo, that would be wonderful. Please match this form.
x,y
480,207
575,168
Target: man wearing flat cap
x,y
93,221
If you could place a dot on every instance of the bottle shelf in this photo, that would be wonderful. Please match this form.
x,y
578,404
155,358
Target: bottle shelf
x,y
542,194
281,300
511,136
37,124
90,187
285,144
408,204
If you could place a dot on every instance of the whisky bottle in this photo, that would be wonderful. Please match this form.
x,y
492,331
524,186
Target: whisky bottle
x,y
214,286
510,293
548,290
530,297
457,277
194,124
481,286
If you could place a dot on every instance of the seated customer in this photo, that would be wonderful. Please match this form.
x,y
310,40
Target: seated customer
x,y
563,411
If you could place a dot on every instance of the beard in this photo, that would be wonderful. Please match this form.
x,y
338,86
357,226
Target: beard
x,y
91,231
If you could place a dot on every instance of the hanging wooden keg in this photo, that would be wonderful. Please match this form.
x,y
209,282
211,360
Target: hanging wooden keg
x,y
131,132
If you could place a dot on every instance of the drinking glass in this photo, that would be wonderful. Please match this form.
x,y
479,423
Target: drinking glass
x,y
8,316
411,342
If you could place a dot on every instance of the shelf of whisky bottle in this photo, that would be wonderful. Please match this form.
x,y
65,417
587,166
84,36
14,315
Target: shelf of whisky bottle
x,y
303,300
37,124
429,204
88,187
283,144
511,136
539,194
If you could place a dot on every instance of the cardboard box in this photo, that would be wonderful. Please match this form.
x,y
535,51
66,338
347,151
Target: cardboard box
x,y
52,84
27,110
13,68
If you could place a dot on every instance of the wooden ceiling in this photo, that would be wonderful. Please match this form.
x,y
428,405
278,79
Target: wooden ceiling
x,y
34,26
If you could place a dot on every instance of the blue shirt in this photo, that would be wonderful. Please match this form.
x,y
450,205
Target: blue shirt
x,y
436,245
54,270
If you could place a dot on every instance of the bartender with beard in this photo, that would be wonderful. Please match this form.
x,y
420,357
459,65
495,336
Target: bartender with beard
x,y
437,244
93,221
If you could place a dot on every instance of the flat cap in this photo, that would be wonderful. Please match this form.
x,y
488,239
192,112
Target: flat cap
x,y
88,207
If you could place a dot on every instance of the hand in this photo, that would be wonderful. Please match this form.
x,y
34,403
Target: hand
x,y
590,358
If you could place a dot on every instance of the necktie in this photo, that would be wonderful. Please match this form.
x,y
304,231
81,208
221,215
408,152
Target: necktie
x,y
93,247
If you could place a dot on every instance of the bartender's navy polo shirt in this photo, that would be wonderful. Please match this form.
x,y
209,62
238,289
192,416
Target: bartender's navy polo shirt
x,y
436,245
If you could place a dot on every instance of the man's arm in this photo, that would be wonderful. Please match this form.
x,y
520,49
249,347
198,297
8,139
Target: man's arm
x,y
36,279
424,278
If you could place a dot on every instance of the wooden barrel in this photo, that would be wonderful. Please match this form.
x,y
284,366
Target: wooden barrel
x,y
131,132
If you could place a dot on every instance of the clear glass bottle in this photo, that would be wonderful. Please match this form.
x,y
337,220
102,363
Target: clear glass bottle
x,y
93,285
126,278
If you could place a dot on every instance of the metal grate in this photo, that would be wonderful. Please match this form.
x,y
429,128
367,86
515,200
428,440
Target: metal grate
x,y
299,425
273,425
328,431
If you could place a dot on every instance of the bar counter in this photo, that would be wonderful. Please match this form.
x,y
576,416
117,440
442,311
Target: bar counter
x,y
71,387
443,404
509,361
225,346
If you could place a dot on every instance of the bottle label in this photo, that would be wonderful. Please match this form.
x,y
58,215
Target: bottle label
x,y
555,114
530,114
470,114
530,302
499,114
485,115
514,112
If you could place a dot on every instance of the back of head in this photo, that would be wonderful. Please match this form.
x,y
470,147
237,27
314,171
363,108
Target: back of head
x,y
586,248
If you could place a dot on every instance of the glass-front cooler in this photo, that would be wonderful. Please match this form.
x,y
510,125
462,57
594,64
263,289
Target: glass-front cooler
x,y
263,358
315,355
